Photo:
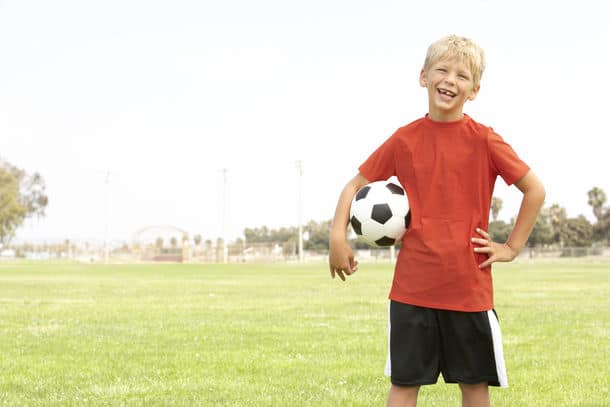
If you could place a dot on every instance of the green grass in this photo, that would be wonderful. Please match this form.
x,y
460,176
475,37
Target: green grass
x,y
275,335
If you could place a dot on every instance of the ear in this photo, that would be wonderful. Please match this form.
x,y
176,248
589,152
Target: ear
x,y
474,93
422,79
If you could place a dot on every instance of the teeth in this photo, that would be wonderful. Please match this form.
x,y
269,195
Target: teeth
x,y
446,92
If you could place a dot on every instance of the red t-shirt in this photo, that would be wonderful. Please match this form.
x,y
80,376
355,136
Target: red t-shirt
x,y
448,170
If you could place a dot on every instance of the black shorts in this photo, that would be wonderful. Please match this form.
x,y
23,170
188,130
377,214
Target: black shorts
x,y
466,347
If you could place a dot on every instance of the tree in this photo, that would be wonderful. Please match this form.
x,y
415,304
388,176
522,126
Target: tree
x,y
257,235
597,199
496,206
577,232
197,239
287,238
557,218
542,233
601,229
499,230
12,213
21,196
318,235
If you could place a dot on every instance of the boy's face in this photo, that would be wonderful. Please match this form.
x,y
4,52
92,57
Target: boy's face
x,y
450,84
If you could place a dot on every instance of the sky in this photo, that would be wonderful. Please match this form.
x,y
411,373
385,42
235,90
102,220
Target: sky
x,y
195,113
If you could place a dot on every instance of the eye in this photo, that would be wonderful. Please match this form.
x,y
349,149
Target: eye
x,y
441,69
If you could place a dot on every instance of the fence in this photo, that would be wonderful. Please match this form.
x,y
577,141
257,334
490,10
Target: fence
x,y
564,252
240,253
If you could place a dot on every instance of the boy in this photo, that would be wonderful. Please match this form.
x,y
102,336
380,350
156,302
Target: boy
x,y
441,315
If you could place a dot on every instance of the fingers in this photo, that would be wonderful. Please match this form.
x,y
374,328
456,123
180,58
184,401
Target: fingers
x,y
343,272
483,233
486,263
486,247
484,241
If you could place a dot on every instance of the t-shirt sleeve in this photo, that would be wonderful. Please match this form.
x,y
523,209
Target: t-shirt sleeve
x,y
381,164
504,160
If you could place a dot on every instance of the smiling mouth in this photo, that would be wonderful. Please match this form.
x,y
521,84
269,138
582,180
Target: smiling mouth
x,y
446,92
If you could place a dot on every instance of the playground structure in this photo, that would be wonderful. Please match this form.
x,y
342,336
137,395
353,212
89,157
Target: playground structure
x,y
161,243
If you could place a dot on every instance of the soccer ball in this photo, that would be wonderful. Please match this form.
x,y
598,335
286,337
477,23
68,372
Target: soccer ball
x,y
380,213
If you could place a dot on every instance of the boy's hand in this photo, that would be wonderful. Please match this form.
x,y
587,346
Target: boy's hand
x,y
495,251
341,259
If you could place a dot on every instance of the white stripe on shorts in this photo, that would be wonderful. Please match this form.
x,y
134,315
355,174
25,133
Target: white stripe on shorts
x,y
497,345
388,362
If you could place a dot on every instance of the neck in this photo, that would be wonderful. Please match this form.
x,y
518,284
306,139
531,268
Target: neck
x,y
437,116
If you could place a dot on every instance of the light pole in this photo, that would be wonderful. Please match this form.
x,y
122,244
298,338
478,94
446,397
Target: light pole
x,y
300,208
225,249
106,215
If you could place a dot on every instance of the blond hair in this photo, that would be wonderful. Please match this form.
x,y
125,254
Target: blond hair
x,y
453,46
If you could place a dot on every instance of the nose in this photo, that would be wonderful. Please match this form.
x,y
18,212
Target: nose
x,y
450,78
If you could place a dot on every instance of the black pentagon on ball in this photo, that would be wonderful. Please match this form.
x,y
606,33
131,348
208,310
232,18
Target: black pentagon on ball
x,y
356,225
381,213
407,219
395,189
363,192
385,241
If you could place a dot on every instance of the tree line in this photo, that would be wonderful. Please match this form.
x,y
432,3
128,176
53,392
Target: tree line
x,y
23,195
553,228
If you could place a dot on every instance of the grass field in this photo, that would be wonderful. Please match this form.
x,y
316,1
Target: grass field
x,y
275,335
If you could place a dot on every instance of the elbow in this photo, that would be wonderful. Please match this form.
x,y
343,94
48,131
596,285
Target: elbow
x,y
541,190
540,194
532,186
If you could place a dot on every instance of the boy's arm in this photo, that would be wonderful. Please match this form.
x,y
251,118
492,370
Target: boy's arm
x,y
340,256
533,198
